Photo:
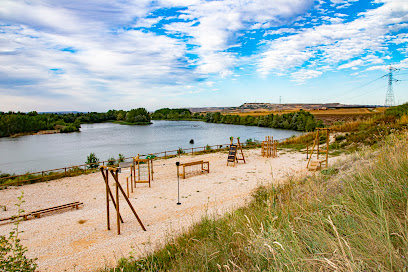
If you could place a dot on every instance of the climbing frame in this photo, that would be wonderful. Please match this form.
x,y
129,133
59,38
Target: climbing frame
x,y
269,147
234,149
319,163
141,171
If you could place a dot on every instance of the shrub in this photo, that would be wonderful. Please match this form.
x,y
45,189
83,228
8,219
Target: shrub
x,y
180,151
92,161
121,158
12,253
207,148
111,161
340,138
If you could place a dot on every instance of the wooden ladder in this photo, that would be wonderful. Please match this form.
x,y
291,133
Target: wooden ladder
x,y
233,152
318,164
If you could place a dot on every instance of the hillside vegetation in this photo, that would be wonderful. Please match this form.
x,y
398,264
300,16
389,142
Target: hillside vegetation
x,y
351,217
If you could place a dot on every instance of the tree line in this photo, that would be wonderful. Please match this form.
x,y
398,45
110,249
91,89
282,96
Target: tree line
x,y
175,114
19,122
12,123
300,120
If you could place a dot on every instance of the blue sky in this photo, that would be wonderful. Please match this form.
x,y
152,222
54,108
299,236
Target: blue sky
x,y
99,55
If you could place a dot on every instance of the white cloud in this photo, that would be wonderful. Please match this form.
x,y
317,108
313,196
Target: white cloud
x,y
403,64
351,64
304,74
216,23
281,31
334,43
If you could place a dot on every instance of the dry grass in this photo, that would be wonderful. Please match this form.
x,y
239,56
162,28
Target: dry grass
x,y
350,218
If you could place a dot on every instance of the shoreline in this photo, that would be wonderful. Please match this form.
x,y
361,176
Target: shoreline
x,y
41,132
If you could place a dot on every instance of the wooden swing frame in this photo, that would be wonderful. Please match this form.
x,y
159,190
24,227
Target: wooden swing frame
x,y
109,197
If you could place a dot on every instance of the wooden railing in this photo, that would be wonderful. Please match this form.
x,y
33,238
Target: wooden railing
x,y
90,167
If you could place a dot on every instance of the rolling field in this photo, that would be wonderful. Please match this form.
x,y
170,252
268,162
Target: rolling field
x,y
329,116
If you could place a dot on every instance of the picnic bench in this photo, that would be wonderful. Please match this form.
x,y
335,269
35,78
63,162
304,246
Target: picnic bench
x,y
189,164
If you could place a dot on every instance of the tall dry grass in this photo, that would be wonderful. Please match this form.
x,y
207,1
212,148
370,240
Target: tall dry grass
x,y
353,217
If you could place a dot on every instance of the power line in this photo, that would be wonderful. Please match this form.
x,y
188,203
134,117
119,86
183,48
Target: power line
x,y
371,91
355,88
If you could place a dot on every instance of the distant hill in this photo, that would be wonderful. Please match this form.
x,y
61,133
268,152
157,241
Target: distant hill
x,y
61,112
279,107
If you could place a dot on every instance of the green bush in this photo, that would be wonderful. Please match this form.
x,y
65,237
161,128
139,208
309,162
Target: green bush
x,y
92,161
111,161
340,138
12,252
121,158
180,151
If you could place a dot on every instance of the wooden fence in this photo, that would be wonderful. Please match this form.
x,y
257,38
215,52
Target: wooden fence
x,y
90,167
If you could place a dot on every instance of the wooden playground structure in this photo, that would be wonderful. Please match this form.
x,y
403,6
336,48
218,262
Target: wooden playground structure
x,y
269,147
192,164
109,197
319,163
233,152
141,171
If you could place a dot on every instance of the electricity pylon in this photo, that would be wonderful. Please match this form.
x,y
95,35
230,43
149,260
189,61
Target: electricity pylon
x,y
389,98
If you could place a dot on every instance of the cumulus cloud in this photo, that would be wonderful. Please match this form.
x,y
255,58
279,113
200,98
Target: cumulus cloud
x,y
83,50
331,44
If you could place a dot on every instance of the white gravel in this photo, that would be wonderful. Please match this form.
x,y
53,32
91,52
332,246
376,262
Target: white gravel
x,y
61,243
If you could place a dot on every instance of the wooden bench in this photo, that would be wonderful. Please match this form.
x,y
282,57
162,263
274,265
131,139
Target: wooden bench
x,y
187,164
38,213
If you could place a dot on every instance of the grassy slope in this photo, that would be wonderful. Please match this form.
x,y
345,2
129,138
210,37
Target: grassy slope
x,y
352,217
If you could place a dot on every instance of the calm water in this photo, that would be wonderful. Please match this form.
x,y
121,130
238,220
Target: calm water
x,y
43,152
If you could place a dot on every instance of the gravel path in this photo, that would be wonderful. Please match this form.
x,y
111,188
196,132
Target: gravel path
x,y
78,240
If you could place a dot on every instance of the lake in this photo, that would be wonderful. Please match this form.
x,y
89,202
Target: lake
x,y
43,152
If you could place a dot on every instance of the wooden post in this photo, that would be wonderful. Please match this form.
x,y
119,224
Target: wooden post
x,y
148,170
307,150
131,178
152,168
138,171
65,174
127,186
117,204
42,175
105,177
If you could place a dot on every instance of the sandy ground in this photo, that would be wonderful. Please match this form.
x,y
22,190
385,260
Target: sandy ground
x,y
78,240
